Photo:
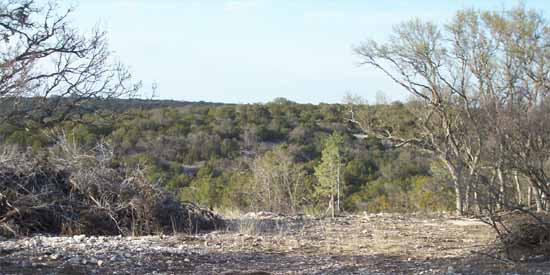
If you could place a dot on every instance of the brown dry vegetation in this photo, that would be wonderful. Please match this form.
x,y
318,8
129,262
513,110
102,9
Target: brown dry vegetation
x,y
82,194
360,244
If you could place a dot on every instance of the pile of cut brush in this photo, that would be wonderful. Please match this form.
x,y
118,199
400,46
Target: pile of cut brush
x,y
68,192
525,235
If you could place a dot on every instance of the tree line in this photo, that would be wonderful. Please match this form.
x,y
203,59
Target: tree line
x,y
280,156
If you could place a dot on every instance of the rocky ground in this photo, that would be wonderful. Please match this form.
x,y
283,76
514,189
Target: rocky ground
x,y
270,244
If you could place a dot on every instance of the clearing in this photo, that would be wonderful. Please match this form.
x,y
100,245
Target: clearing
x,y
270,244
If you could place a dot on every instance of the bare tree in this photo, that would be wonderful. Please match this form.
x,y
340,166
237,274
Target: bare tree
x,y
417,58
480,84
47,68
278,182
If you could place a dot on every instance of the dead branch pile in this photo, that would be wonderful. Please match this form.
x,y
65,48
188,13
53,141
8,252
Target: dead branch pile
x,y
524,235
83,195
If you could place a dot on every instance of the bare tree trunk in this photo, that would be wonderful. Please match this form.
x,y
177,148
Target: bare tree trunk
x,y
537,195
455,176
467,198
269,202
518,188
459,196
544,200
332,205
476,205
332,197
529,197
538,199
502,191
338,184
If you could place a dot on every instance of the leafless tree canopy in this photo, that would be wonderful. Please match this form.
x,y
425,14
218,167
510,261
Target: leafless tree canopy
x,y
480,83
47,68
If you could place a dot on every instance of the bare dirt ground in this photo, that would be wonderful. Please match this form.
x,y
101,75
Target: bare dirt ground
x,y
267,244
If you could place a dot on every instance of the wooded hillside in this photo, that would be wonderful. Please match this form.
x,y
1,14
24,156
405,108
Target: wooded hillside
x,y
230,156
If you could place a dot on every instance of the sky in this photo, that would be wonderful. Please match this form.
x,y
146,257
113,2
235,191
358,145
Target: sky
x,y
252,51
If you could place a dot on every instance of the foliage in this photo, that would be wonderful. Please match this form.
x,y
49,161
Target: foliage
x,y
329,172
213,154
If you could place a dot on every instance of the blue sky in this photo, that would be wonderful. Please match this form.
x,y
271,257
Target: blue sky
x,y
247,51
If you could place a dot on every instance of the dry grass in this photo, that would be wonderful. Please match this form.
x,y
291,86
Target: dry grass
x,y
388,235
366,244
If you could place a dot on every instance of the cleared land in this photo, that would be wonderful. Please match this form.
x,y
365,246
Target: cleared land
x,y
268,244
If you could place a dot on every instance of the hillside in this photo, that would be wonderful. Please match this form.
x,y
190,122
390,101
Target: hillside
x,y
210,154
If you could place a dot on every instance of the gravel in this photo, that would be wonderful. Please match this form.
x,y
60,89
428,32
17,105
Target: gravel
x,y
373,244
